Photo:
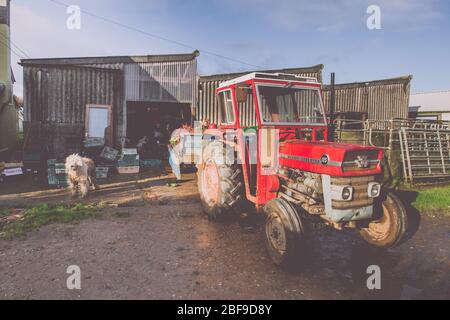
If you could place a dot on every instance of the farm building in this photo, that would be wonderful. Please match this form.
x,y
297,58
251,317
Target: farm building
x,y
119,98
380,99
376,100
430,106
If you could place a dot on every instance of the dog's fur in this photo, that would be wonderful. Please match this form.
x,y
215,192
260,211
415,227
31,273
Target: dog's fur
x,y
81,173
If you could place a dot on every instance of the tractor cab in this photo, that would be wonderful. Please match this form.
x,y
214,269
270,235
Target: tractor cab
x,y
280,101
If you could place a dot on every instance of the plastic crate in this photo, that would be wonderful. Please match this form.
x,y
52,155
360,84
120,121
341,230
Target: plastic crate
x,y
109,153
102,172
128,170
94,142
60,168
128,161
57,180
129,151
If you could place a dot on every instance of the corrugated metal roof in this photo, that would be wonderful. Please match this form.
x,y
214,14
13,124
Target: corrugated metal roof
x,y
430,101
317,69
110,59
402,79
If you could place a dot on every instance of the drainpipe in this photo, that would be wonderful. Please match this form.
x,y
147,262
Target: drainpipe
x,y
331,108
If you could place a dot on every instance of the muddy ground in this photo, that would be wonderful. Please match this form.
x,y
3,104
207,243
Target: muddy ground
x,y
154,242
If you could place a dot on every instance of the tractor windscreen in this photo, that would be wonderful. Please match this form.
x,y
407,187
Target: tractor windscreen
x,y
290,105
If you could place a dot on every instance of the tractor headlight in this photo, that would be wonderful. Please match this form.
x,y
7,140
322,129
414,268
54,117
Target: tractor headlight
x,y
346,193
374,190
341,193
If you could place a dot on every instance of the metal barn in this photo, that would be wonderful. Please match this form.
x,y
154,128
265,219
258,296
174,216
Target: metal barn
x,y
379,99
68,99
375,100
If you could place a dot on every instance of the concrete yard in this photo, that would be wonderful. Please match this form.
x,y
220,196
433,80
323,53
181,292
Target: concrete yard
x,y
154,242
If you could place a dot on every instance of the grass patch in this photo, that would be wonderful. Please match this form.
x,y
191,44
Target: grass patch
x,y
38,216
4,212
433,199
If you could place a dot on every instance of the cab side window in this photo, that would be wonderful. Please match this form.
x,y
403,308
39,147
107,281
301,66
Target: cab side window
x,y
226,107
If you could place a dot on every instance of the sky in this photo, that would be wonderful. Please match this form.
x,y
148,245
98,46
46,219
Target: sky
x,y
413,39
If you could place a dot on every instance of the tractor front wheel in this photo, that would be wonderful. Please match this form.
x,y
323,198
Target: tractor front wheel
x,y
390,224
219,182
285,232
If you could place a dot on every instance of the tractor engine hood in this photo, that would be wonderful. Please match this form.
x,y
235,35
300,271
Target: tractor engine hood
x,y
334,159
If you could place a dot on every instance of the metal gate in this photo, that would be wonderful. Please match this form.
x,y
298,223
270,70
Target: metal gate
x,y
425,153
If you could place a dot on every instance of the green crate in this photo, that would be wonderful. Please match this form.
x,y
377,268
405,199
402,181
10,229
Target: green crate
x,y
60,168
128,161
94,142
102,172
57,180
129,151
109,153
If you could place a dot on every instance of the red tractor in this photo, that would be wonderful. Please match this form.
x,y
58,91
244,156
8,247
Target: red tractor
x,y
271,151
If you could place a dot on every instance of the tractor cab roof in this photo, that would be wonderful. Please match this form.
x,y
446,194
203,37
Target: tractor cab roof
x,y
268,76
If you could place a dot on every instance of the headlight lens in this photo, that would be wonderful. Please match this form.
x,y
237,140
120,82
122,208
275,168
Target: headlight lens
x,y
374,190
341,193
346,193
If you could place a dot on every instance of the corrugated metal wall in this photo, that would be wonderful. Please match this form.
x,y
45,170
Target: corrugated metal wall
x,y
207,106
55,100
60,95
161,82
382,100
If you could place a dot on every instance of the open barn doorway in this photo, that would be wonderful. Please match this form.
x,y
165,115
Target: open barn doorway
x,y
150,124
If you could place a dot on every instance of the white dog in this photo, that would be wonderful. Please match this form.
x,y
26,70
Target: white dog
x,y
81,172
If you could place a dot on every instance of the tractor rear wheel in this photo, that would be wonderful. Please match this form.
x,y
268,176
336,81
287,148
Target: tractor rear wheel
x,y
390,225
285,233
219,182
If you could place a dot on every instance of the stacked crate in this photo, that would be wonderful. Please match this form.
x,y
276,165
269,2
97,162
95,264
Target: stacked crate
x,y
128,162
109,154
104,171
56,173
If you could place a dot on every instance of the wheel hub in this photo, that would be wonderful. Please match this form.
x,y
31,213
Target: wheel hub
x,y
276,234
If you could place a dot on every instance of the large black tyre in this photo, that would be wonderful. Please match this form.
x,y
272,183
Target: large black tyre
x,y
219,182
285,233
390,224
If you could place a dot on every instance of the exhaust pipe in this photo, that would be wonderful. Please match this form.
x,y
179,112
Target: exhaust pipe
x,y
331,108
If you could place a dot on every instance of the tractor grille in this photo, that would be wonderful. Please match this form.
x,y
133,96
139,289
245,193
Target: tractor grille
x,y
360,160
360,196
